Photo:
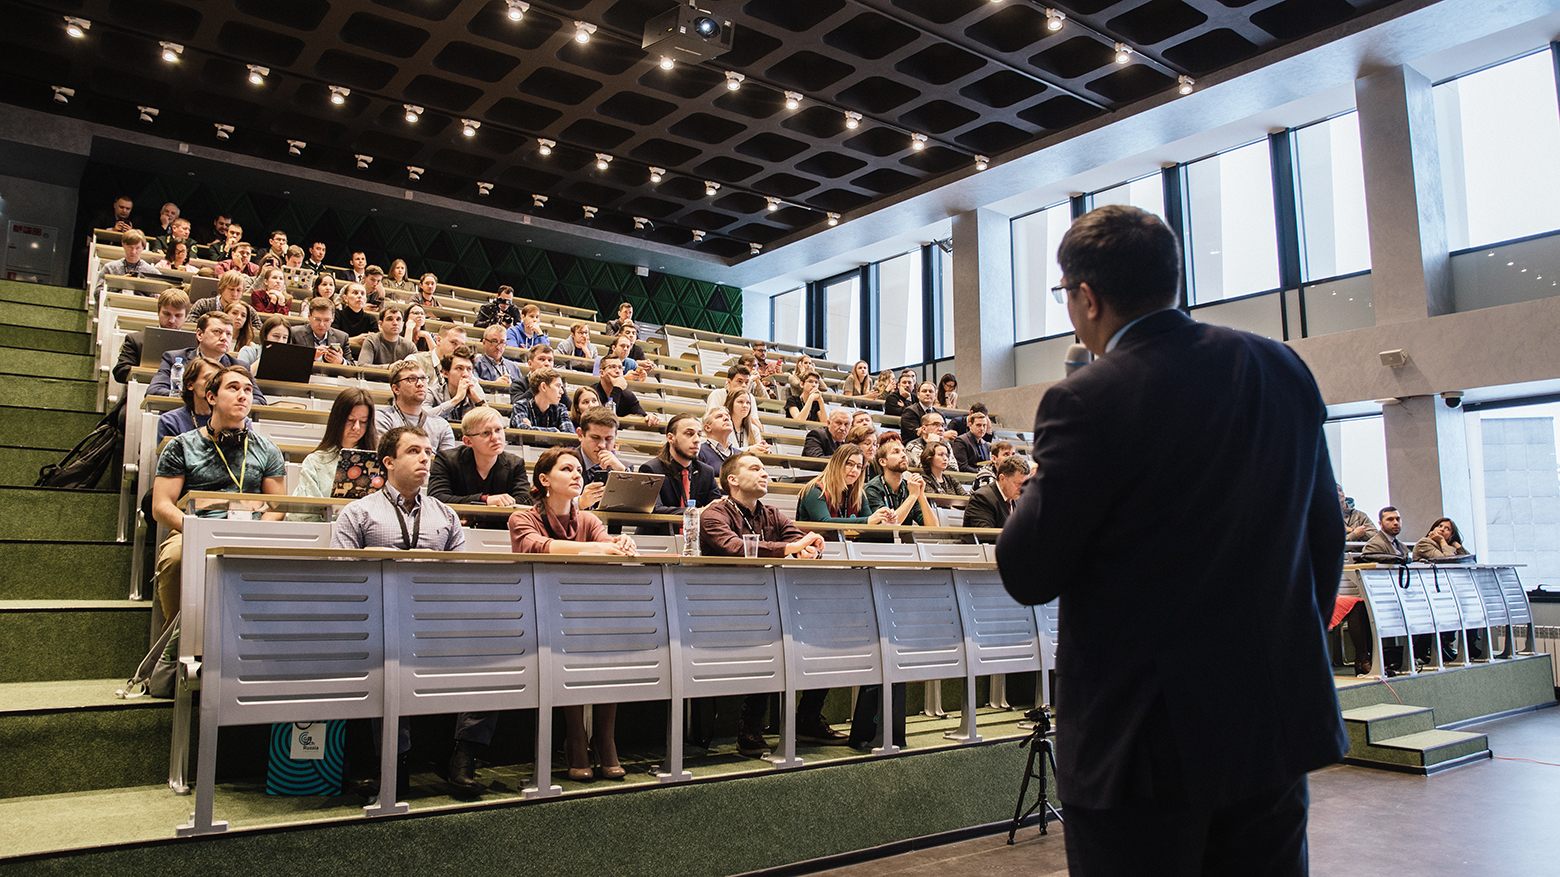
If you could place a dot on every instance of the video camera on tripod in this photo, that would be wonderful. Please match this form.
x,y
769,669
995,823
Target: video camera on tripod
x,y
1039,720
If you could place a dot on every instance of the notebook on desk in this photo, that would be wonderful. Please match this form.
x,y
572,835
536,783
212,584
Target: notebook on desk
x,y
156,341
279,361
633,492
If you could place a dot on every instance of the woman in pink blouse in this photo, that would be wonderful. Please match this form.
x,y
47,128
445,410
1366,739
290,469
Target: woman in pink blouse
x,y
556,525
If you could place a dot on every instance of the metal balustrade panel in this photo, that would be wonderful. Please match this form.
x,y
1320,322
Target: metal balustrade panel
x,y
467,636
1443,602
1518,611
1487,580
727,623
1466,592
1417,613
605,631
882,551
299,641
951,552
1381,591
831,626
201,534
918,620
489,540
1000,632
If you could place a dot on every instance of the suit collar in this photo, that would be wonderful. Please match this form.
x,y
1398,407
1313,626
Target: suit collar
x,y
1149,325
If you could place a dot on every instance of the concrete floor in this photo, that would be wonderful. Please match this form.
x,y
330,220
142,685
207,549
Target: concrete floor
x,y
1491,817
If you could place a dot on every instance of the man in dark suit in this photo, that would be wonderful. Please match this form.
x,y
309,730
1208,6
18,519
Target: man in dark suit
x,y
825,440
910,420
480,472
330,345
687,477
991,505
1182,482
971,448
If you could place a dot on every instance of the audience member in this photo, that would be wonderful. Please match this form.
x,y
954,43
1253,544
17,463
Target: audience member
x,y
635,352
450,337
1356,524
859,382
479,471
293,258
825,440
971,449
540,356
408,391
556,524
578,345
625,317
1000,451
238,260
491,364
276,329
166,216
961,424
720,439
836,495
416,331
359,268
272,297
323,286
196,411
894,489
425,290
316,258
865,438
387,346
936,467
374,287
224,455
501,311
736,382
744,421
755,386
172,306
276,256
1386,539
459,392
217,250
230,288
178,230
863,418
633,370
597,428
351,424
119,216
354,318
585,398
901,397
177,260
131,265
398,280
930,433
805,367
330,345
765,369
213,339
805,402
686,479
910,418
990,505
884,383
542,407
1441,540
947,391
245,321
614,392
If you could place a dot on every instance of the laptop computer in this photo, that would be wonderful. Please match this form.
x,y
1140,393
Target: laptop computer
x,y
634,492
202,287
156,341
358,473
285,362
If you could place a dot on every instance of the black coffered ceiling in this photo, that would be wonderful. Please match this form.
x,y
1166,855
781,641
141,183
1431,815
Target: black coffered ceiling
x,y
975,77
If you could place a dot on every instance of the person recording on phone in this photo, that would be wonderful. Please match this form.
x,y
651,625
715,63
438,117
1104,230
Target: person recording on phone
x,y
330,345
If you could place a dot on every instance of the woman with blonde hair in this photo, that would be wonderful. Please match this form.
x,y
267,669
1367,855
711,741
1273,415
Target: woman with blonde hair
x,y
397,278
836,496
859,383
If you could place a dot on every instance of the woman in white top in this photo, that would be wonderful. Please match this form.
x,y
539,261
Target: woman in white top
x,y
178,259
275,329
421,338
744,422
351,425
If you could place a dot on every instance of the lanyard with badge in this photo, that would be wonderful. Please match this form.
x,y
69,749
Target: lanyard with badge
x,y
243,467
408,541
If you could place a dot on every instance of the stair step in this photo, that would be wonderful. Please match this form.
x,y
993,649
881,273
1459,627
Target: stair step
x,y
54,430
45,363
65,570
51,640
19,466
45,316
1424,752
40,338
1369,724
40,514
18,698
114,743
50,394
39,294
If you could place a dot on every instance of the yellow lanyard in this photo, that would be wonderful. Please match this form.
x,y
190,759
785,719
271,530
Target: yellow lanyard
x,y
243,463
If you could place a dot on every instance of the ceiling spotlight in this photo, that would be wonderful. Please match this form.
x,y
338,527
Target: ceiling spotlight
x,y
257,74
698,237
544,146
582,31
295,147
538,200
852,120
1186,84
655,174
774,204
1123,53
754,248
338,95
362,161
224,131
710,188
76,27
170,51
793,99
468,127
982,162
640,222
734,80
590,213
147,113
602,161
484,189
62,95
667,62
413,173
1054,19
517,9
413,112
917,141
834,219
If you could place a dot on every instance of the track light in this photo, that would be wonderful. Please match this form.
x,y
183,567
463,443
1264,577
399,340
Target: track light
x,y
413,112
640,222
754,248
148,113
774,204
362,161
710,188
834,219
224,131
170,51
590,213
582,31
544,146
852,120
76,27
1186,84
484,189
1123,53
698,237
517,9
413,173
62,95
538,200
734,80
603,160
257,74
1054,19
793,99
468,127
918,142
655,174
666,62
338,94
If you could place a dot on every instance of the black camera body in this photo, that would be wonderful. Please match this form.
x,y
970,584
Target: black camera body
x,y
1041,717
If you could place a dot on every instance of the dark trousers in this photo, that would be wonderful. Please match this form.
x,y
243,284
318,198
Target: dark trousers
x,y
755,705
1263,834
864,722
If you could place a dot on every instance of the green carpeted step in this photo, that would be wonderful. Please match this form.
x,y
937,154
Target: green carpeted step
x,y
45,515
54,394
45,317
1371,724
19,466
65,571
38,338
1430,748
108,743
45,364
44,640
53,430
39,294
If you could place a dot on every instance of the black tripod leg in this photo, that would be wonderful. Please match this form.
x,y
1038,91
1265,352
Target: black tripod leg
x,y
1023,788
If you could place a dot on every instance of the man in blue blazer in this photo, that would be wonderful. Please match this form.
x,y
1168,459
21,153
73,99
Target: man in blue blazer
x,y
1183,508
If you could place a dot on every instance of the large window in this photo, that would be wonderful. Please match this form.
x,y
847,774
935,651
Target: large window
x,y
1499,135
900,311
1232,237
1330,167
787,317
842,307
945,312
1517,506
1147,193
1035,238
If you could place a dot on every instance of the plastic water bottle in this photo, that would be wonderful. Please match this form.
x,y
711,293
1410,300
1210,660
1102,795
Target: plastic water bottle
x,y
690,546
176,375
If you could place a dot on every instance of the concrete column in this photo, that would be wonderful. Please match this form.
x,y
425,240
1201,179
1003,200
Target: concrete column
x,y
1410,271
982,301
1427,464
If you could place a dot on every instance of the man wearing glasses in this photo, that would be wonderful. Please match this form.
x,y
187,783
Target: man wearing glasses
x,y
408,391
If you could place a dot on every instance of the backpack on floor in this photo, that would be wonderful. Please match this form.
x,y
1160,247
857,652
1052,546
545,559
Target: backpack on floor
x,y
154,676
87,463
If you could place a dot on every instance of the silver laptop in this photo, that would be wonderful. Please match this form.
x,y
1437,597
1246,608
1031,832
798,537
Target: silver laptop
x,y
156,341
634,492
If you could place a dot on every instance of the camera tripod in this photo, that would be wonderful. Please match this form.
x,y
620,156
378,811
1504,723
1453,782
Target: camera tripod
x,y
1038,743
